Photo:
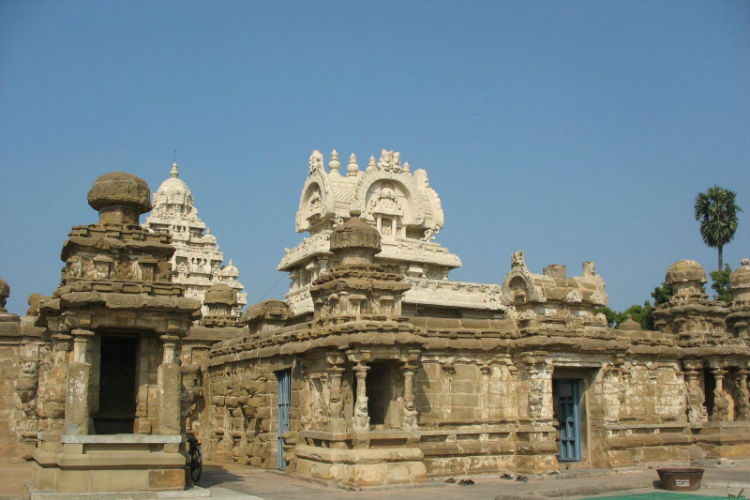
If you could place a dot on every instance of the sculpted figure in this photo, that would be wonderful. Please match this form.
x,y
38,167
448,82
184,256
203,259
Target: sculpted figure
x,y
75,267
517,261
743,401
316,162
723,406
163,271
361,420
410,415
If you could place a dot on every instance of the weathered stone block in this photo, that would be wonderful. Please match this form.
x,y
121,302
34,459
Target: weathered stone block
x,y
173,479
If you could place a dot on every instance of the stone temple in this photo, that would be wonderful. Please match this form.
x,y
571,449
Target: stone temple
x,y
375,369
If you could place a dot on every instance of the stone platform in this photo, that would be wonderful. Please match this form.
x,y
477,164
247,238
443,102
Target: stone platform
x,y
89,464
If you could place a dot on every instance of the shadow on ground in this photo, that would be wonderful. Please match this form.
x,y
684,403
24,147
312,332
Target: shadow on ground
x,y
214,474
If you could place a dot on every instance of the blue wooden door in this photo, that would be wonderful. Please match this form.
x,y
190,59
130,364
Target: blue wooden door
x,y
569,418
285,395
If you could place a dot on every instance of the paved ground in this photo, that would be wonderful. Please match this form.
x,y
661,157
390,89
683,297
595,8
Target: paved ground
x,y
225,481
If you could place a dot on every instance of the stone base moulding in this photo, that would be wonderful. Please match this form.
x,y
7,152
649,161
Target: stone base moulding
x,y
79,464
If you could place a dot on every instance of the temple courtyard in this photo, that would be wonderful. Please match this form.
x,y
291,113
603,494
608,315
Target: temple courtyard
x,y
223,481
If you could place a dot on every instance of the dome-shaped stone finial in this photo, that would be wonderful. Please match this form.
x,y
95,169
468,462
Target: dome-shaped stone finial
x,y
355,242
629,324
120,198
4,294
174,171
352,168
334,165
221,294
739,283
686,278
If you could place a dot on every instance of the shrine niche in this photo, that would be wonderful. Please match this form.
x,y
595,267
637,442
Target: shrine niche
x,y
388,206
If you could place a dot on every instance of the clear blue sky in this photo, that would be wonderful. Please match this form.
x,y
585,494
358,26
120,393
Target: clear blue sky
x,y
578,130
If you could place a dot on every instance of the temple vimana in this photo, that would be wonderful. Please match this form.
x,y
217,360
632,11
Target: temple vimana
x,y
375,368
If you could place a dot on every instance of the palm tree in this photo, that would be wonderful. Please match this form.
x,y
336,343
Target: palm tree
x,y
717,212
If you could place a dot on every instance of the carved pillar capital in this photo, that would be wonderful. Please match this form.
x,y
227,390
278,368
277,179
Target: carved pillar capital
x,y
80,344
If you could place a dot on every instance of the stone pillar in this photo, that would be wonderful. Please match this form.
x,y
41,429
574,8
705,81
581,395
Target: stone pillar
x,y
696,397
409,420
723,402
611,393
539,373
743,395
168,384
361,419
336,403
77,401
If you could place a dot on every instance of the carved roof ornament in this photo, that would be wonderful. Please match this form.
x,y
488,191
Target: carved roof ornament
x,y
4,294
355,242
739,283
221,294
580,294
352,169
402,207
120,198
316,162
686,277
198,261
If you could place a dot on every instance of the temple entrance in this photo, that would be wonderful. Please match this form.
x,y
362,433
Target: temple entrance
x,y
384,385
117,387
567,394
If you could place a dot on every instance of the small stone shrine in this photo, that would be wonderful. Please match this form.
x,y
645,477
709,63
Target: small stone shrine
x,y
112,335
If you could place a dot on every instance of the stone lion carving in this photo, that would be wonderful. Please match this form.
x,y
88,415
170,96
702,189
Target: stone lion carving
x,y
316,162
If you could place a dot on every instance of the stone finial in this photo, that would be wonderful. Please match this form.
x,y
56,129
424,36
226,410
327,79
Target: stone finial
x,y
120,198
739,283
4,294
269,309
355,242
174,171
557,271
629,324
589,268
221,294
371,164
686,278
34,300
352,168
334,165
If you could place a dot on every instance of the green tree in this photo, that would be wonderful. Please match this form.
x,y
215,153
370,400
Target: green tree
x,y
662,294
720,284
613,317
641,314
716,210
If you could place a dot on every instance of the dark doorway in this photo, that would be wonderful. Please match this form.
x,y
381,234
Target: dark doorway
x,y
384,385
117,386
709,385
